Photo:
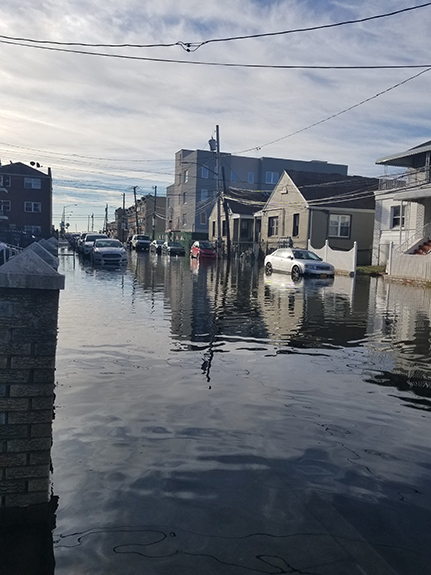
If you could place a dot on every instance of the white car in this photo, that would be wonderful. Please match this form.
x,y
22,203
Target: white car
x,y
297,263
108,251
140,242
88,241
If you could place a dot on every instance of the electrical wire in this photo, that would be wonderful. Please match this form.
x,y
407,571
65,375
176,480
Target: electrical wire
x,y
258,148
193,46
220,64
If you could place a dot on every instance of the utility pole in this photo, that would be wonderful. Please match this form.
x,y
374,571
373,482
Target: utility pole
x,y
215,147
92,222
88,223
105,223
136,209
123,218
154,213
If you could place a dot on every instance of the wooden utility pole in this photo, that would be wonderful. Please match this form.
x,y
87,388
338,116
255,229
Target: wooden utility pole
x,y
226,215
218,193
154,213
136,209
123,219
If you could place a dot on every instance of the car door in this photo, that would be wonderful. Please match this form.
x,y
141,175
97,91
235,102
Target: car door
x,y
287,260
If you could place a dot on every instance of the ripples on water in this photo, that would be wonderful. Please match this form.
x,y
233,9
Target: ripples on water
x,y
220,421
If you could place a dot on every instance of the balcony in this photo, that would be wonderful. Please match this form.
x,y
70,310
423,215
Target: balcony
x,y
410,179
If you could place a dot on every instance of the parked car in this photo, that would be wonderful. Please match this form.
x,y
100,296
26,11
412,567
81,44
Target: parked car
x,y
140,242
298,263
202,249
156,246
108,251
87,243
173,249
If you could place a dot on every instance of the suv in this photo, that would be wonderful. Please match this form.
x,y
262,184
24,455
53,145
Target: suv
x,y
140,242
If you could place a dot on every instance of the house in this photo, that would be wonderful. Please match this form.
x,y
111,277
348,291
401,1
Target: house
x,y
318,207
148,213
25,200
237,218
191,198
403,210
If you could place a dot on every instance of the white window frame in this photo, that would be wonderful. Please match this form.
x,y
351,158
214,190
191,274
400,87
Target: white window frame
x,y
33,183
396,217
33,207
184,197
271,177
5,205
33,230
272,226
184,219
340,220
5,181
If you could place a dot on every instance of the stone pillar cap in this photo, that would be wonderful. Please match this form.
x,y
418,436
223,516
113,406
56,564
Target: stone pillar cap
x,y
27,270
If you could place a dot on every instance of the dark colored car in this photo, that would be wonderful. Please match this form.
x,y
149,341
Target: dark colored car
x,y
202,249
173,249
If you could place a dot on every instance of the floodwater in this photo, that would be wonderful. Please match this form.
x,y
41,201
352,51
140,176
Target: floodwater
x,y
213,421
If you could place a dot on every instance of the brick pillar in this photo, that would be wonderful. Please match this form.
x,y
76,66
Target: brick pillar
x,y
29,296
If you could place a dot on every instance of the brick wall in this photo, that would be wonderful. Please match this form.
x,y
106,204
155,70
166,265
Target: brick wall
x,y
28,337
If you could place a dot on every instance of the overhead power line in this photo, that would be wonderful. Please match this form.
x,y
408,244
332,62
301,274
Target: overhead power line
x,y
332,116
193,46
220,64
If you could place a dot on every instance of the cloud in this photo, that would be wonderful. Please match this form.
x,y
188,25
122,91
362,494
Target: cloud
x,y
60,104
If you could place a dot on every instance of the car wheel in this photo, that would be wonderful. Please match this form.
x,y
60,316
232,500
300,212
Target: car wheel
x,y
295,273
268,269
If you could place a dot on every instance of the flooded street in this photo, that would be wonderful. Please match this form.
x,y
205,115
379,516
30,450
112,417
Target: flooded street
x,y
214,421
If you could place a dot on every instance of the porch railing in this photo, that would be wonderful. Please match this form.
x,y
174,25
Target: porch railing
x,y
411,241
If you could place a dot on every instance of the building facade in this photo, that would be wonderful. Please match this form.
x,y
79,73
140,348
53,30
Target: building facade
x,y
403,203
25,200
191,198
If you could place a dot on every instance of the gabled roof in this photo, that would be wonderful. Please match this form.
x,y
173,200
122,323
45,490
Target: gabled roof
x,y
328,189
408,159
20,169
246,202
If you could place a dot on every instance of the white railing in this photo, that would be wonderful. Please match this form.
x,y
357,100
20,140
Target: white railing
x,y
343,261
412,241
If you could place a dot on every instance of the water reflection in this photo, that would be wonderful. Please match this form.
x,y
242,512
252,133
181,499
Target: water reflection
x,y
214,420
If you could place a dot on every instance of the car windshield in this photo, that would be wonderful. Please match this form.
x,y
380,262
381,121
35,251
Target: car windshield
x,y
92,238
158,242
175,245
305,255
108,244
205,245
142,238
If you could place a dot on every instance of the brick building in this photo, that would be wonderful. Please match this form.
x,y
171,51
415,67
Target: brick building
x,y
25,199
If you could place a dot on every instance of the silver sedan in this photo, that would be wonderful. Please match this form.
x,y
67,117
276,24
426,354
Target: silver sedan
x,y
298,263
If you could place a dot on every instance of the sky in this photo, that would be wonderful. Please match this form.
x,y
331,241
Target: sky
x,y
105,123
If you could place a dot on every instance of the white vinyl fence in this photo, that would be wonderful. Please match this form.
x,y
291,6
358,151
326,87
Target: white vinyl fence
x,y
342,261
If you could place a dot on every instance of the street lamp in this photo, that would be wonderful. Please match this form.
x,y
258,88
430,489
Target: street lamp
x,y
63,218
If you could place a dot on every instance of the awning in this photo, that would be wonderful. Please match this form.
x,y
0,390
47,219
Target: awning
x,y
418,194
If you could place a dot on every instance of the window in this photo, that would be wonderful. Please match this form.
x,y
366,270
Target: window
x,y
396,217
185,198
5,205
32,207
233,176
271,177
186,176
214,230
169,202
223,228
204,172
250,178
5,181
184,219
295,227
35,230
339,226
273,226
204,195
203,219
244,230
33,183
